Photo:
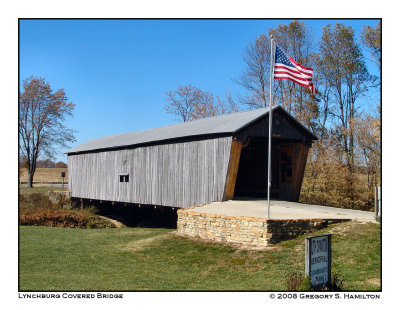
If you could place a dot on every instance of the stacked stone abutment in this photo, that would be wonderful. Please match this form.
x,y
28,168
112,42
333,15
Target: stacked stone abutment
x,y
244,231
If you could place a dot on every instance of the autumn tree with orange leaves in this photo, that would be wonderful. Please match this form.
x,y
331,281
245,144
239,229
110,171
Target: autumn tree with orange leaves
x,y
42,113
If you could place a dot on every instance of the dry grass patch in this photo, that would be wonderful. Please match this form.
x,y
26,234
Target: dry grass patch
x,y
342,229
373,281
45,175
142,244
114,222
37,210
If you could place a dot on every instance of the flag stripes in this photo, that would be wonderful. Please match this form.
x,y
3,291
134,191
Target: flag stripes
x,y
286,68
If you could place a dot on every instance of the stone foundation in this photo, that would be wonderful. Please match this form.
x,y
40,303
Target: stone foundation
x,y
245,231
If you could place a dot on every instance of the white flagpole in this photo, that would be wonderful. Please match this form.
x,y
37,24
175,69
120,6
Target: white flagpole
x,y
270,124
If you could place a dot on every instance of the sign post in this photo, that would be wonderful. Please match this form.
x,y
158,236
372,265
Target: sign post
x,y
318,260
63,176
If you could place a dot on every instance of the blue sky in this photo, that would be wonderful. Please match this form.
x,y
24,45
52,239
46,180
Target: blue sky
x,y
117,71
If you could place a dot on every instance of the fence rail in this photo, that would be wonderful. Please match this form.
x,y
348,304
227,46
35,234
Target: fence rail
x,y
53,184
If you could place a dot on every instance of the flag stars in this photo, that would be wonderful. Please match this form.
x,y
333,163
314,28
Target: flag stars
x,y
288,68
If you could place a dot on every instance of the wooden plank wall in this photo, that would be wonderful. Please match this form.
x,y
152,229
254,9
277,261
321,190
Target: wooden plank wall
x,y
232,170
286,187
178,175
300,160
287,129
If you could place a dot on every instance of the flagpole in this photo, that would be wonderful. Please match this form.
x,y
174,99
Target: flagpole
x,y
270,125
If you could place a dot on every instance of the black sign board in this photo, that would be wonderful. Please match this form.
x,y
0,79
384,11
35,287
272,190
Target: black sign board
x,y
63,174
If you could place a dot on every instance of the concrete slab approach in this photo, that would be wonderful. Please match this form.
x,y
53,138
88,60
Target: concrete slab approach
x,y
283,210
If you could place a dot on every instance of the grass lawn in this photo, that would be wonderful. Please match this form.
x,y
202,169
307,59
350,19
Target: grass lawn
x,y
25,190
128,259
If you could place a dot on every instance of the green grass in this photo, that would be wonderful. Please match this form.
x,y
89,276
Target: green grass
x,y
25,190
156,259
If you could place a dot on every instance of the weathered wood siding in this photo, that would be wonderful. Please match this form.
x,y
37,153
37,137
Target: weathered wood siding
x,y
177,174
283,127
300,160
232,170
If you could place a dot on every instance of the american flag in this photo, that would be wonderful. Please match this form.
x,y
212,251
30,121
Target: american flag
x,y
286,68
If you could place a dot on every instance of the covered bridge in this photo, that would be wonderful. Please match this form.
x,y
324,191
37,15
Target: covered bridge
x,y
187,164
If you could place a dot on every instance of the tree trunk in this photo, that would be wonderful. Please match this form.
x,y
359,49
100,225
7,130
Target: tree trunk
x,y
30,179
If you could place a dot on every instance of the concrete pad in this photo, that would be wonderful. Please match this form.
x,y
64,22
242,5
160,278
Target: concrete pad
x,y
283,210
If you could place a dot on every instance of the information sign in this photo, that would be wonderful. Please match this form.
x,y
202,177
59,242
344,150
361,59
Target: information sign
x,y
318,259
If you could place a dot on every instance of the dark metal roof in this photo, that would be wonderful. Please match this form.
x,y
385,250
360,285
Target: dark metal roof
x,y
221,124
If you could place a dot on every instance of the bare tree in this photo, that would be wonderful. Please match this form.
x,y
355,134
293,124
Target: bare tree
x,y
189,102
343,67
296,39
256,76
371,38
368,139
41,116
